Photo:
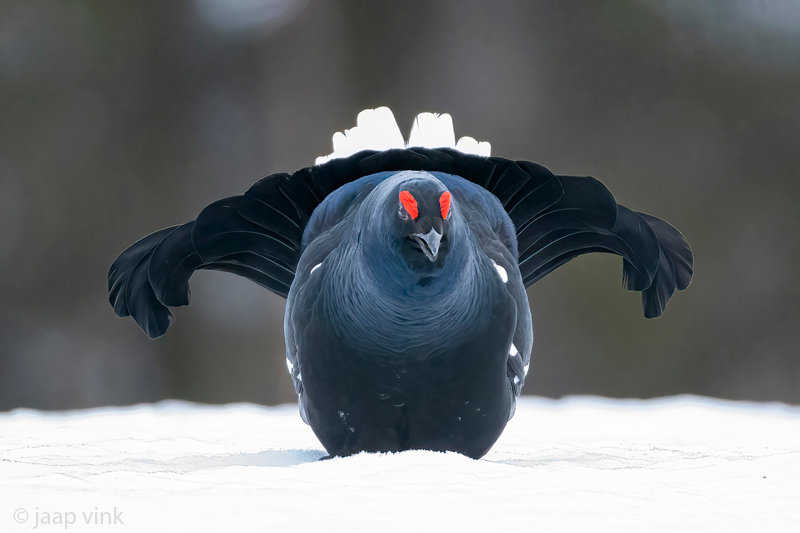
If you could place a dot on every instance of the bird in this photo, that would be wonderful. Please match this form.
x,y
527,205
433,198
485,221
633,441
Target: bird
x,y
404,265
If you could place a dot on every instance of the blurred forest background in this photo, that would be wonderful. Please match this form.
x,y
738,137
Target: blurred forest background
x,y
120,118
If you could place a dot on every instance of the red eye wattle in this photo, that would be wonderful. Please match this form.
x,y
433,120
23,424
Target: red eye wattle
x,y
408,201
444,203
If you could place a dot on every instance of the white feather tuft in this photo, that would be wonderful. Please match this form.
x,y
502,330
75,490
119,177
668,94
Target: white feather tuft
x,y
468,145
432,131
377,129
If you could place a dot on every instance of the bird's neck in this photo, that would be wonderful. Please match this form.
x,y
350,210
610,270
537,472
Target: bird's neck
x,y
391,275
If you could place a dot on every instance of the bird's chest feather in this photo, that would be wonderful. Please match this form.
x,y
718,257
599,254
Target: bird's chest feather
x,y
402,371
417,321
380,339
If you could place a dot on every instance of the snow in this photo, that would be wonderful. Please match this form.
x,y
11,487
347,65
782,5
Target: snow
x,y
576,464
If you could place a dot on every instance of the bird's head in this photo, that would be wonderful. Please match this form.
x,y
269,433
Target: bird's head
x,y
421,211
410,223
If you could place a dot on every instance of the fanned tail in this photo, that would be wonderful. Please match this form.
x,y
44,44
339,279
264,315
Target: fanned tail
x,y
258,235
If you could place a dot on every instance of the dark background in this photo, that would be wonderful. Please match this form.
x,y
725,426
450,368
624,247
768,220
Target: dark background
x,y
120,118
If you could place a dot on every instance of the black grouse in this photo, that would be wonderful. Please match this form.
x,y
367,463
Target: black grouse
x,y
404,267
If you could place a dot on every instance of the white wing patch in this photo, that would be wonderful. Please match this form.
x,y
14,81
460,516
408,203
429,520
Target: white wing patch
x,y
289,365
313,269
502,273
376,129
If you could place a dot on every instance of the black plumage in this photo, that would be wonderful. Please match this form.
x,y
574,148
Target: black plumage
x,y
404,328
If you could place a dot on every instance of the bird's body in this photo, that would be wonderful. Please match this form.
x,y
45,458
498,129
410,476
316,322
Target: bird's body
x,y
391,351
407,322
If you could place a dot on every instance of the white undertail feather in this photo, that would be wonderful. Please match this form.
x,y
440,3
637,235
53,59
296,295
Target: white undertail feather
x,y
376,129
432,131
468,145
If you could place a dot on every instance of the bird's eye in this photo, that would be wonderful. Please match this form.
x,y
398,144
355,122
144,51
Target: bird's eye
x,y
402,213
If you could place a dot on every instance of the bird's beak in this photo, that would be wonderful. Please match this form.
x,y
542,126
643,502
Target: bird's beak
x,y
429,243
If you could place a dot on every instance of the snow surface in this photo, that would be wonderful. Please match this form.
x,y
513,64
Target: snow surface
x,y
577,464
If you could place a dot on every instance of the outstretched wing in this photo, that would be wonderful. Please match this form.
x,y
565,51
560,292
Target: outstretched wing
x,y
657,259
259,235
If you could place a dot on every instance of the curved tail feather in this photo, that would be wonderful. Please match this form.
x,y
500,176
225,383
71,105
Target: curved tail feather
x,y
240,235
129,289
657,259
675,267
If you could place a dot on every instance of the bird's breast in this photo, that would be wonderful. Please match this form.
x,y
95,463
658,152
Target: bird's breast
x,y
421,320
422,369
